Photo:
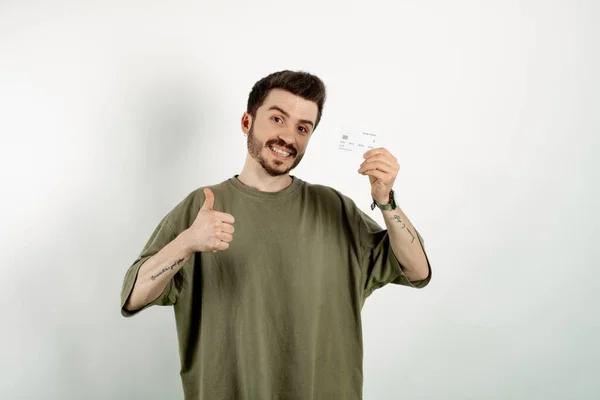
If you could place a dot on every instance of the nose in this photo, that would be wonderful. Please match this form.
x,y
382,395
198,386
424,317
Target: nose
x,y
288,136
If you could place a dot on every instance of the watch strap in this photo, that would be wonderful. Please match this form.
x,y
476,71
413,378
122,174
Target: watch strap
x,y
390,206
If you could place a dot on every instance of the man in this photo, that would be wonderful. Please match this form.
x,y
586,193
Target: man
x,y
267,273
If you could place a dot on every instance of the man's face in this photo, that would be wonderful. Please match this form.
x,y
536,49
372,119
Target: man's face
x,y
283,123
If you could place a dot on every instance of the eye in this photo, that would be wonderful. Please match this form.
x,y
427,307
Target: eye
x,y
305,130
276,118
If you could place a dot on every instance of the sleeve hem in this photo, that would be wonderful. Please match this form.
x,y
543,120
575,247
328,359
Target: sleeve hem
x,y
130,280
128,287
419,284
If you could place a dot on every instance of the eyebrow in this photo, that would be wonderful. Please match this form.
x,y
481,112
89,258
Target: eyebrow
x,y
304,121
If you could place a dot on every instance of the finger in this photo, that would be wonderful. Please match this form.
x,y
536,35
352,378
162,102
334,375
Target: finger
x,y
223,217
385,157
219,245
378,150
377,165
225,237
382,165
382,176
209,200
227,228
223,246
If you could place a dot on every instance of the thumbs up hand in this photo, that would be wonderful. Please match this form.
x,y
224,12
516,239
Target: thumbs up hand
x,y
211,230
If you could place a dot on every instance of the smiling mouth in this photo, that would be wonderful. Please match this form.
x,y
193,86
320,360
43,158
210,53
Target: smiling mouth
x,y
280,153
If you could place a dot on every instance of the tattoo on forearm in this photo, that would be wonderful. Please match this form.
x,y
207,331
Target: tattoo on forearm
x,y
165,269
399,220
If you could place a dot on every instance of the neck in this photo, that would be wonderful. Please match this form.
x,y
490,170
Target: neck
x,y
253,175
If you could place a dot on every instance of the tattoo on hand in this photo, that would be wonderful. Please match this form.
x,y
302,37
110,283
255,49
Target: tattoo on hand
x,y
399,220
165,269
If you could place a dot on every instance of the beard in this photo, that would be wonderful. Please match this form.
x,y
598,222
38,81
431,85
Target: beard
x,y
275,167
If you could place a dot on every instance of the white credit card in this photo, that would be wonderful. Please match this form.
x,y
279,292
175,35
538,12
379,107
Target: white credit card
x,y
357,141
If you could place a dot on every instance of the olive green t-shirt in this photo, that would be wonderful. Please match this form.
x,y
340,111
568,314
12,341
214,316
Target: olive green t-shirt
x,y
278,314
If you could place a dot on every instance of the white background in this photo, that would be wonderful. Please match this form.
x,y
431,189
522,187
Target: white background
x,y
112,112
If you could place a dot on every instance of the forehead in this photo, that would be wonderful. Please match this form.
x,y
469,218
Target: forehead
x,y
296,106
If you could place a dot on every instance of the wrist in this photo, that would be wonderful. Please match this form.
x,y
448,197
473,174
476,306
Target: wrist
x,y
184,243
388,203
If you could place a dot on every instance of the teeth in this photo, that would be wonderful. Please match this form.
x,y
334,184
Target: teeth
x,y
283,153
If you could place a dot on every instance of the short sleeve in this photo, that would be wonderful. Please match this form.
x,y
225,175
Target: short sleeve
x,y
403,280
163,234
379,264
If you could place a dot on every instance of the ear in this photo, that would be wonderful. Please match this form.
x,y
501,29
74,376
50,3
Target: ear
x,y
246,122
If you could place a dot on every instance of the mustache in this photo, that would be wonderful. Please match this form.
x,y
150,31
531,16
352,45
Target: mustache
x,y
283,145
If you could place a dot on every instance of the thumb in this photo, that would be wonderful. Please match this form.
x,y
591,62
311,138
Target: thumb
x,y
209,202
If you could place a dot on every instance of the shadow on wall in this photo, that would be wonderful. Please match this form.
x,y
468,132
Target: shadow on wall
x,y
168,120
68,316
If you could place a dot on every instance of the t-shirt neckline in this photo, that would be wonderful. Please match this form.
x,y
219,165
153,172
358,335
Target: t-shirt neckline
x,y
252,192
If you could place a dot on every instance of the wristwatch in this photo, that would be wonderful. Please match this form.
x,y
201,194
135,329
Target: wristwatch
x,y
391,203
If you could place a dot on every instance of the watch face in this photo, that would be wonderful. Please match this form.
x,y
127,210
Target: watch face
x,y
393,199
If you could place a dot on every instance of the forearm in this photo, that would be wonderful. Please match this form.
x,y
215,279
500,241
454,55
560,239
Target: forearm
x,y
155,273
405,244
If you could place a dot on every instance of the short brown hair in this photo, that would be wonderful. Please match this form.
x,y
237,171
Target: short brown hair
x,y
299,83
